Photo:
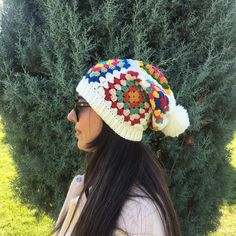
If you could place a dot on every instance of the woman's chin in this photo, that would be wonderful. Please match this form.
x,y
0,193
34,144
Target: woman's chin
x,y
81,147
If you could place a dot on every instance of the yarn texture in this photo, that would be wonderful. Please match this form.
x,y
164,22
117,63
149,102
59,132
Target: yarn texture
x,y
131,96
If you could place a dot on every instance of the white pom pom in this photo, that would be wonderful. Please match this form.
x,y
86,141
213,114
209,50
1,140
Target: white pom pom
x,y
178,122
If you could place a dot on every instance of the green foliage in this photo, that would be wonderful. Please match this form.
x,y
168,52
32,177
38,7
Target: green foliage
x,y
47,46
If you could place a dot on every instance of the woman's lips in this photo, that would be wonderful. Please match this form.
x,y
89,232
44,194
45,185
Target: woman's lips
x,y
77,134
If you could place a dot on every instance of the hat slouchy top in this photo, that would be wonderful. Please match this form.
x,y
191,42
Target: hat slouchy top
x,y
131,96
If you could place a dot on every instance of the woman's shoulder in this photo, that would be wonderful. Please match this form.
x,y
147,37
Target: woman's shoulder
x,y
139,215
74,190
76,186
135,204
77,180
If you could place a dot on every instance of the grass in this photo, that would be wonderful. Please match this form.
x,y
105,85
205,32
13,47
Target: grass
x,y
23,220
17,218
228,220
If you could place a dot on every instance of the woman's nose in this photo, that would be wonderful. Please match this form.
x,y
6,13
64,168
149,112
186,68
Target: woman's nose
x,y
71,116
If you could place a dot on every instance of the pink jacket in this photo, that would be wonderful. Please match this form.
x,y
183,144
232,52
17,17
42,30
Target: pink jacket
x,y
138,215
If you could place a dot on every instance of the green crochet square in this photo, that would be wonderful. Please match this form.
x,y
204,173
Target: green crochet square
x,y
124,88
104,69
149,90
119,93
126,105
120,98
130,83
141,105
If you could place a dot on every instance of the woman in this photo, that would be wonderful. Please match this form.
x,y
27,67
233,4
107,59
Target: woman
x,y
123,190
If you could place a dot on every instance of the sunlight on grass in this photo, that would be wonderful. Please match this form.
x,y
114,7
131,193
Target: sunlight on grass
x,y
227,222
16,218
232,146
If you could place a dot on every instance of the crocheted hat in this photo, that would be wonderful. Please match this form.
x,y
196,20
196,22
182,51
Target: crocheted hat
x,y
131,96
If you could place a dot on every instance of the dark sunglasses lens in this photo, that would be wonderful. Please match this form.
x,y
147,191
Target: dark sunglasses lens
x,y
76,108
77,112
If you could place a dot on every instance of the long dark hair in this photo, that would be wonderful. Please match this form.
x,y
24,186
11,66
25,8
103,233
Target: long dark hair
x,y
116,166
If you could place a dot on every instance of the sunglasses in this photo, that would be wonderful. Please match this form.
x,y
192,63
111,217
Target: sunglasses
x,y
78,106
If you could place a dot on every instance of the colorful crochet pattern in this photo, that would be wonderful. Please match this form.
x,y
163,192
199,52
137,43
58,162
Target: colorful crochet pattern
x,y
130,96
104,67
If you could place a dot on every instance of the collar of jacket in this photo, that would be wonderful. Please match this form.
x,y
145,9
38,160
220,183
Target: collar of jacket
x,y
70,203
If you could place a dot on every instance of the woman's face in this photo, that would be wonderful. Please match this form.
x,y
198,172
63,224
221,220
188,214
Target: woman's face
x,y
88,126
